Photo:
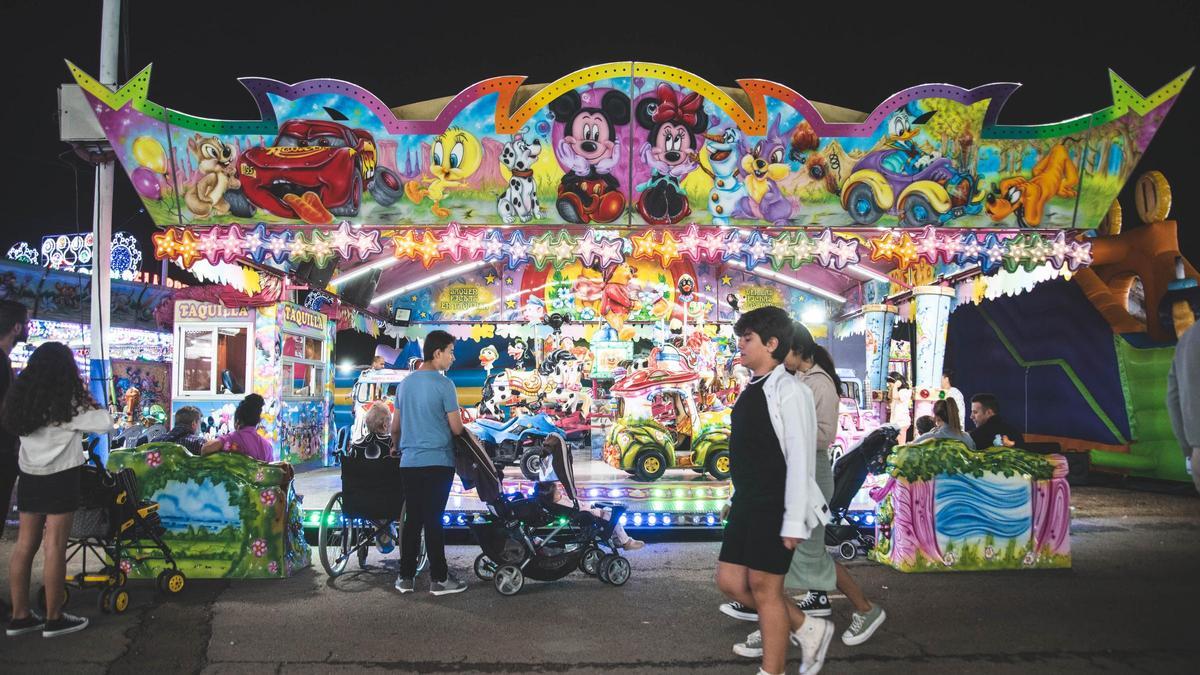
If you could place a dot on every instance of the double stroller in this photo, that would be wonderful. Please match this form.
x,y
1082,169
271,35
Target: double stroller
x,y
115,528
532,537
849,473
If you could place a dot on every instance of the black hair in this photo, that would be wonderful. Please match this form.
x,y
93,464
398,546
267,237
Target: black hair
x,y
187,415
249,411
925,423
988,401
767,323
948,373
435,342
804,346
614,105
899,377
48,391
12,313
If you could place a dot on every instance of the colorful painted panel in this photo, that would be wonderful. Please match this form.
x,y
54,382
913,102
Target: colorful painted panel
x,y
226,515
625,143
947,508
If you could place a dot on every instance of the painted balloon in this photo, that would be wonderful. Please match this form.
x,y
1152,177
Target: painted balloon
x,y
149,153
146,183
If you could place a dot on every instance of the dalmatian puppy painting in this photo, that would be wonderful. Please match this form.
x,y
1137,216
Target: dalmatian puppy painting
x,y
519,201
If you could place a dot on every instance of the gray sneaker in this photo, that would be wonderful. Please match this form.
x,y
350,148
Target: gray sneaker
x,y
405,585
450,585
752,647
863,626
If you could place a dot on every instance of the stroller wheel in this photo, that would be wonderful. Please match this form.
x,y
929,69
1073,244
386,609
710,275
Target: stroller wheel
x,y
113,600
847,550
589,564
171,581
616,570
509,580
484,567
602,567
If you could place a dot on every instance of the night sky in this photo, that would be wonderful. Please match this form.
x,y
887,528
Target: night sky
x,y
855,57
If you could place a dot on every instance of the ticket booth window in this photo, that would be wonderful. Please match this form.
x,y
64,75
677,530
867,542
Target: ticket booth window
x,y
214,361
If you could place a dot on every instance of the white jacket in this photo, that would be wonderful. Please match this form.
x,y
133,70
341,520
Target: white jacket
x,y
794,417
59,447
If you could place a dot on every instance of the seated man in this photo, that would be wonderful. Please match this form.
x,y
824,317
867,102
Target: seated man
x,y
985,413
377,441
186,431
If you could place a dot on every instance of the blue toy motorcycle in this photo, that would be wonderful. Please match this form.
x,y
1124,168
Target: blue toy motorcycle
x,y
516,441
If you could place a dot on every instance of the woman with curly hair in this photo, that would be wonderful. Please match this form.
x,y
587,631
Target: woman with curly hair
x,y
49,407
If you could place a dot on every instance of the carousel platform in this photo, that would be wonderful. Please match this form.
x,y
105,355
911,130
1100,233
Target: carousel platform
x,y
680,500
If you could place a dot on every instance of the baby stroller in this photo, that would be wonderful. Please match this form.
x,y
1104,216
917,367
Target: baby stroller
x,y
526,537
849,473
113,522
367,511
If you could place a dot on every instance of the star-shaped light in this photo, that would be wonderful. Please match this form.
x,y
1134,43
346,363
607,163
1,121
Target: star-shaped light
x,y
690,243
970,249
928,245
322,248
845,252
713,244
518,249
187,250
612,251
231,244
210,245
783,251
452,242
668,249
1079,255
644,245
299,249
539,249
405,244
473,244
757,249
587,248
493,246
366,243
1058,249
254,243
166,244
342,239
823,247
564,248
992,253
280,245
732,245
430,249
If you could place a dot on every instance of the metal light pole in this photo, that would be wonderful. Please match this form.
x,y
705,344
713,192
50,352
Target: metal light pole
x,y
100,367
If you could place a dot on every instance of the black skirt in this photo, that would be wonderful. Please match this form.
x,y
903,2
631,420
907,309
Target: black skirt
x,y
53,493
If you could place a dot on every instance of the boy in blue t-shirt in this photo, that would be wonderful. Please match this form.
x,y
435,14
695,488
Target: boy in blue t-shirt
x,y
423,431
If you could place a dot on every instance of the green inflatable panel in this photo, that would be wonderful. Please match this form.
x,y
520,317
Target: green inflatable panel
x,y
1154,452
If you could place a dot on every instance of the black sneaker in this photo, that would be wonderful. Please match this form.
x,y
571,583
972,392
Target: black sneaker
x,y
29,624
815,603
67,623
739,611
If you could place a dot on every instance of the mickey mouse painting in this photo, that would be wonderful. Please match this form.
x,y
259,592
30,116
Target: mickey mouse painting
x,y
589,150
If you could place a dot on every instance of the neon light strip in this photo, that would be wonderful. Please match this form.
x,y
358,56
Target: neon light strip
x,y
427,280
789,281
357,272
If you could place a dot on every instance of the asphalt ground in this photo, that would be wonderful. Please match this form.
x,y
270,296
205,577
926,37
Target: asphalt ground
x,y
1127,605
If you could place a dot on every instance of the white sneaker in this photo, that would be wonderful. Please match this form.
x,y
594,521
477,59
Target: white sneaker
x,y
813,638
751,648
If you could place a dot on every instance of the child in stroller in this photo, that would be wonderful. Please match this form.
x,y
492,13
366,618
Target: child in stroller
x,y
555,502
536,537
849,473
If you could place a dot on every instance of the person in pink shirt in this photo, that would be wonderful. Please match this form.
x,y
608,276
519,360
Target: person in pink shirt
x,y
246,440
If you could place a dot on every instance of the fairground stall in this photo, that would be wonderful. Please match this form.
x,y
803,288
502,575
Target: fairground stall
x,y
591,241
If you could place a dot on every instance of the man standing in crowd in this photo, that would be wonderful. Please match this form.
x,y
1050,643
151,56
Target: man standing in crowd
x,y
991,429
14,329
423,430
186,431
1183,397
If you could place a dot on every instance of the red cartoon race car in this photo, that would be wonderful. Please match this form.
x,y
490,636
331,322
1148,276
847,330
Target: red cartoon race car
x,y
315,170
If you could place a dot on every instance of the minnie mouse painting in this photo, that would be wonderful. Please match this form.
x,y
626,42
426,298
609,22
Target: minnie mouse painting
x,y
589,150
673,120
